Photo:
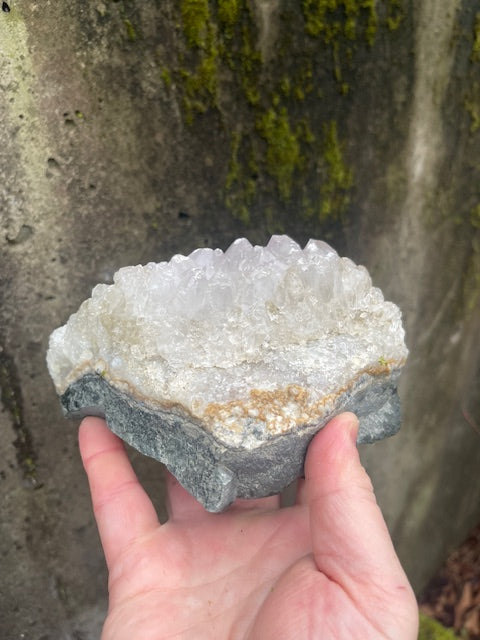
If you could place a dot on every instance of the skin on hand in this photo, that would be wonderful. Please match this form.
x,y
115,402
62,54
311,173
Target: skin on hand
x,y
324,568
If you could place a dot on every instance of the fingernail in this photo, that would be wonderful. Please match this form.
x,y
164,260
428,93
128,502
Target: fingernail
x,y
351,423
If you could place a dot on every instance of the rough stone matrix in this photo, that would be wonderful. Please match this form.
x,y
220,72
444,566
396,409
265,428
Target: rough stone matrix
x,y
224,365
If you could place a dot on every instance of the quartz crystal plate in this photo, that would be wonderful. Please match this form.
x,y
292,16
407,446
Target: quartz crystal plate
x,y
224,365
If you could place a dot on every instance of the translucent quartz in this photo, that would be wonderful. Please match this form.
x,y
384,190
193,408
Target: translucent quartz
x,y
253,341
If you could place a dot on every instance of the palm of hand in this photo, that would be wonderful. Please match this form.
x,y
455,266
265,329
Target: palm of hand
x,y
255,571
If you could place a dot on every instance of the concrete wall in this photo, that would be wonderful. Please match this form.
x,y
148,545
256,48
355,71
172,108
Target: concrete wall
x,y
131,131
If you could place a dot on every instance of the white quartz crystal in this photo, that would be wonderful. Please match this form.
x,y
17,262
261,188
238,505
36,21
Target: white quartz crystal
x,y
253,341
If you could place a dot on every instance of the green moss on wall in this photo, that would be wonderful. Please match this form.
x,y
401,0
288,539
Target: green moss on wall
x,y
166,77
331,19
338,24
395,14
200,80
475,53
282,148
131,32
124,11
338,180
195,21
241,182
200,86
228,14
475,217
472,98
221,37
249,63
432,630
472,107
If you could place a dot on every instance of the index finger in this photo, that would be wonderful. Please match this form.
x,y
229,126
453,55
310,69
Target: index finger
x,y
122,509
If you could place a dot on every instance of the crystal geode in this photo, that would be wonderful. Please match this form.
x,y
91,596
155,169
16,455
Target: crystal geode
x,y
223,365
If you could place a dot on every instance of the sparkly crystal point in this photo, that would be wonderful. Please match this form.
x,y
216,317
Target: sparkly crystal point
x,y
242,355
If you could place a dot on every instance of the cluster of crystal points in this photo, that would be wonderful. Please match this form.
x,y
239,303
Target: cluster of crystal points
x,y
252,341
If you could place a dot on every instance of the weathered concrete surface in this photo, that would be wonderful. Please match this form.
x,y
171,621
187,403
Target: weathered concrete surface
x,y
119,145
435,237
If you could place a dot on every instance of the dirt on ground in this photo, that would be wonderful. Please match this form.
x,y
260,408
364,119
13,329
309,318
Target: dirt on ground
x,y
453,596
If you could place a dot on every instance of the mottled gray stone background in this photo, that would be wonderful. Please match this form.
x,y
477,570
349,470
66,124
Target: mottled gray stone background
x,y
131,130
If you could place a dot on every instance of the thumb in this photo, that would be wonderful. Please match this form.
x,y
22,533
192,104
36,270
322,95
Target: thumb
x,y
351,543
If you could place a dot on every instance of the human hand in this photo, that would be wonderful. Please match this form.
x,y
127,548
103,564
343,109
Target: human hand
x,y
324,568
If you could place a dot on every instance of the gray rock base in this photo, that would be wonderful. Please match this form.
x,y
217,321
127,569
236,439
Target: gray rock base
x,y
212,472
